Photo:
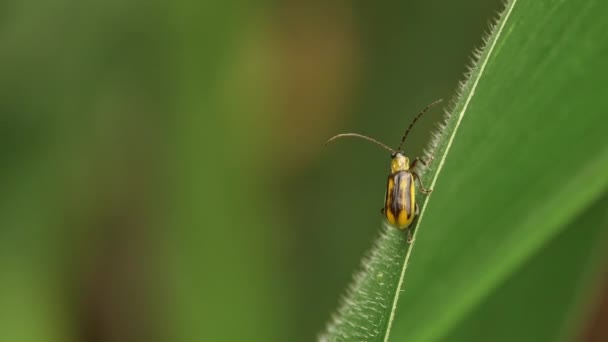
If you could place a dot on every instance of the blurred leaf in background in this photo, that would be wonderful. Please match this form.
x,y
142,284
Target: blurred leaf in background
x,y
79,114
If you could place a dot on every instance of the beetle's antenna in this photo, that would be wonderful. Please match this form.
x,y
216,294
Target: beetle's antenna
x,y
414,121
364,137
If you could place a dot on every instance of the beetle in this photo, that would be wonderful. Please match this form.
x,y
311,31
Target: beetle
x,y
400,207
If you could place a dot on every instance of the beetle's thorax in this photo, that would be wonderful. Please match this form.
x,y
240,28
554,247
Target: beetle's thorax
x,y
399,163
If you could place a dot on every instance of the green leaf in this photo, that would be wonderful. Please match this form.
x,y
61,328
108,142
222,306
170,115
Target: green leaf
x,y
550,287
521,155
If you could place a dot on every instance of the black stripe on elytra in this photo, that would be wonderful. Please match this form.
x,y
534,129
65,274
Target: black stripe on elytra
x,y
408,199
397,205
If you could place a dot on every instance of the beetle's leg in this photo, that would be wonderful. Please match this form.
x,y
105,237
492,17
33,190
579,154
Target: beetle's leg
x,y
382,211
425,163
422,188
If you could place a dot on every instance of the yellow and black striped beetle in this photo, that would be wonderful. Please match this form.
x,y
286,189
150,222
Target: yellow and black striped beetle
x,y
400,208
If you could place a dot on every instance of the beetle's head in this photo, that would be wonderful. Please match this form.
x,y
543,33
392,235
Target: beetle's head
x,y
399,162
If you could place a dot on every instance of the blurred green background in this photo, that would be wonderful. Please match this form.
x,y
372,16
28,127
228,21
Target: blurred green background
x,y
162,169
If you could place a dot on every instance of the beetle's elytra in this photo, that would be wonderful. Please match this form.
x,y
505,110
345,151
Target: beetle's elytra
x,y
400,208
